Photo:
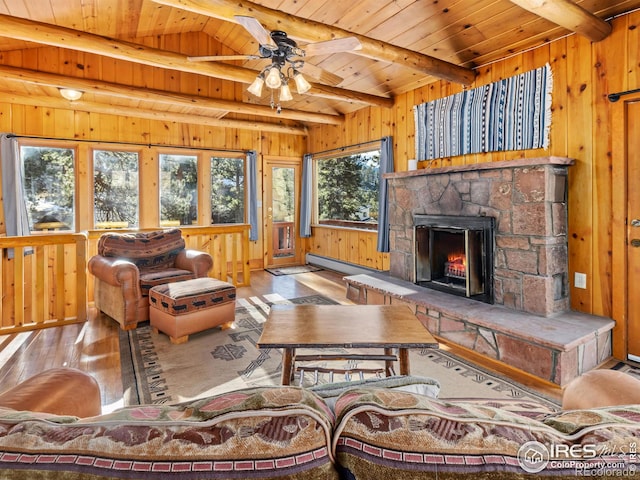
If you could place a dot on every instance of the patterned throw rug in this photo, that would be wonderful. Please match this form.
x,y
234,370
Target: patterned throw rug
x,y
215,361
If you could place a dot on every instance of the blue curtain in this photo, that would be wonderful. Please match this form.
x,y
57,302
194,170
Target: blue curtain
x,y
306,196
15,208
386,166
252,194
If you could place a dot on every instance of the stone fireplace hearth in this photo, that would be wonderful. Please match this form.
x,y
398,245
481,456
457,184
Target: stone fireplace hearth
x,y
526,197
529,326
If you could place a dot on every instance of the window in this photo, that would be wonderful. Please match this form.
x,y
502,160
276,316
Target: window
x,y
178,190
347,188
49,184
227,190
115,189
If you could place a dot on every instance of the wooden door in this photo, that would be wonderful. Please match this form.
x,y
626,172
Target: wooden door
x,y
281,217
633,227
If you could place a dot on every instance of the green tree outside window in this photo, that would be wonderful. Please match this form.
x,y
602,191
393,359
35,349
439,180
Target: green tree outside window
x,y
49,185
348,189
178,189
115,189
227,190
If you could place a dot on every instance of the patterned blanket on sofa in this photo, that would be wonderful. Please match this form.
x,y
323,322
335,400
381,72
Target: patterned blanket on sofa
x,y
281,432
383,434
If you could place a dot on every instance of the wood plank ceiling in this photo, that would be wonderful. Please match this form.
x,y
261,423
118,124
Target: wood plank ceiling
x,y
405,44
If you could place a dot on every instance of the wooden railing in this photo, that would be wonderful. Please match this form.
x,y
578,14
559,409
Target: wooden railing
x,y
229,247
46,284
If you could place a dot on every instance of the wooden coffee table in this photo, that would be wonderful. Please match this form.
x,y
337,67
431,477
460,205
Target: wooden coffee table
x,y
344,326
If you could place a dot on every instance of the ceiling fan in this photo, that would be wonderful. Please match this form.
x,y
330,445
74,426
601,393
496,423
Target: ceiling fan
x,y
285,54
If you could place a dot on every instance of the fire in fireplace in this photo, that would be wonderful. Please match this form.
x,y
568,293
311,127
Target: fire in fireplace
x,y
455,254
456,266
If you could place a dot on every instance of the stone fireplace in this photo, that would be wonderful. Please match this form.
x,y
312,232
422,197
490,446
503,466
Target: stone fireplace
x,y
529,326
527,201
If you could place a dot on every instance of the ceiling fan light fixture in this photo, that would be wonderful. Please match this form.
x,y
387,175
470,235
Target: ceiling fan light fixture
x,y
70,94
301,83
285,93
256,87
273,79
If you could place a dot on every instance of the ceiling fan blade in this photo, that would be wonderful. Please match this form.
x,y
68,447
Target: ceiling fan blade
x,y
257,31
332,46
213,58
321,74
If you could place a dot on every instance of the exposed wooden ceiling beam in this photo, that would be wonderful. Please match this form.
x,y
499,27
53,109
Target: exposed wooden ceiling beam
x,y
171,117
47,34
568,15
310,31
218,107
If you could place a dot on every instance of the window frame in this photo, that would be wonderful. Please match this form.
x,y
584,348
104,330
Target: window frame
x,y
91,158
148,179
201,178
243,159
58,145
344,152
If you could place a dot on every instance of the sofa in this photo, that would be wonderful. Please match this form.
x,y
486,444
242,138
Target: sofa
x,y
128,265
366,432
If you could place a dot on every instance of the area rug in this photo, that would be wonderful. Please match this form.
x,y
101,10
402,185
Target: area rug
x,y
216,361
292,270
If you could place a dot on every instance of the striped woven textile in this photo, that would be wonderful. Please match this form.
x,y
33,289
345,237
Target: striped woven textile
x,y
511,114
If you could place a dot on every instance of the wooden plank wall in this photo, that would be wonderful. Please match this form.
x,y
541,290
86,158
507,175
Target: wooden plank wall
x,y
583,75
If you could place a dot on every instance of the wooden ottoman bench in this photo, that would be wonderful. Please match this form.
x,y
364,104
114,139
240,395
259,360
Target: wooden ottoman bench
x,y
182,308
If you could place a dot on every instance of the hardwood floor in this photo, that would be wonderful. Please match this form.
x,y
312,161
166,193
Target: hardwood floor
x,y
94,346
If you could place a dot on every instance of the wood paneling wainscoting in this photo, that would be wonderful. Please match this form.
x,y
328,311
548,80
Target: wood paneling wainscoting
x,y
348,245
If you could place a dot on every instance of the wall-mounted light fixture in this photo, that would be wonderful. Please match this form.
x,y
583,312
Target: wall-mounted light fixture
x,y
71,94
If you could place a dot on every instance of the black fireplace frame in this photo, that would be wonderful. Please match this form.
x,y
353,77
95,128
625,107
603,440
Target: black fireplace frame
x,y
482,226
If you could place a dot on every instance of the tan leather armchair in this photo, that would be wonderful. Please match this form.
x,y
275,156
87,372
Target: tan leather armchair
x,y
128,265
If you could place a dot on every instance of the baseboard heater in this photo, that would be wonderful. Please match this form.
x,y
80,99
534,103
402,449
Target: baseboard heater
x,y
337,265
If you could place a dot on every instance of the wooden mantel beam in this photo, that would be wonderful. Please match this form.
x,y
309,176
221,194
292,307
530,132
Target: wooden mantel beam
x,y
310,31
62,37
569,15
218,107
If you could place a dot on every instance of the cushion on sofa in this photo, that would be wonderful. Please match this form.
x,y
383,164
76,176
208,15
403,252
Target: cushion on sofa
x,y
383,434
155,250
280,432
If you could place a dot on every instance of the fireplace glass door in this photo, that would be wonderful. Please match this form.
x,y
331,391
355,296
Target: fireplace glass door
x,y
455,255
